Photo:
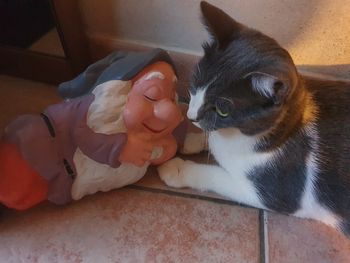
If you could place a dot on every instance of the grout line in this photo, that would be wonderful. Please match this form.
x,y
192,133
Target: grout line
x,y
264,237
187,195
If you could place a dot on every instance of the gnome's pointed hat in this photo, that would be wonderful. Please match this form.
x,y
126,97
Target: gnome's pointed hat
x,y
116,66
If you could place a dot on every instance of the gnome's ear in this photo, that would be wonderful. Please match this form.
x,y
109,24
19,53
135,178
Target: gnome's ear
x,y
219,24
84,83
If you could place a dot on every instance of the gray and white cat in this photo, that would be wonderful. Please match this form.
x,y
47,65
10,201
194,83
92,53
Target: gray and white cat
x,y
281,140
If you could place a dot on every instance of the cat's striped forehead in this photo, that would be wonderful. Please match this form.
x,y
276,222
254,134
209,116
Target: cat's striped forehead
x,y
197,99
196,103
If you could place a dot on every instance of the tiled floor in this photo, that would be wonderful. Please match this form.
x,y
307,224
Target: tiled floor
x,y
149,222
131,226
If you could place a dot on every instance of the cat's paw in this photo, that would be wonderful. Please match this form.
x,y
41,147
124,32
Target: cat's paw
x,y
171,172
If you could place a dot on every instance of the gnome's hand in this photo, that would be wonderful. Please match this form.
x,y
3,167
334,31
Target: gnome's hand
x,y
137,150
169,146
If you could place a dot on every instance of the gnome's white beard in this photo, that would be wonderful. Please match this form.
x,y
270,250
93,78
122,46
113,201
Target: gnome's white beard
x,y
105,116
105,112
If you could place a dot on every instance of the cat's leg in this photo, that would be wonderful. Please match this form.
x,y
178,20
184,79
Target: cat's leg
x,y
179,173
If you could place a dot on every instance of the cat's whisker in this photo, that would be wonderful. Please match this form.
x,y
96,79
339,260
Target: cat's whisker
x,y
207,140
188,94
206,135
199,69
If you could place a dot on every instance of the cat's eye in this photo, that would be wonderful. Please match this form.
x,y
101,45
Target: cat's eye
x,y
221,113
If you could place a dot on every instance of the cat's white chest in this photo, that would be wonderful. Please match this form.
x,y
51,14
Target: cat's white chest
x,y
235,152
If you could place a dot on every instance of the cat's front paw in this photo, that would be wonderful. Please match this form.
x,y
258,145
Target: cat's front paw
x,y
171,172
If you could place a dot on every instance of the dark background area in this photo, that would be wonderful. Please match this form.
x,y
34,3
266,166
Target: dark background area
x,y
22,22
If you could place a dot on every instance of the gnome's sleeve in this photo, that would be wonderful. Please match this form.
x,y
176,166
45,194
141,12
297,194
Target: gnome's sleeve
x,y
100,147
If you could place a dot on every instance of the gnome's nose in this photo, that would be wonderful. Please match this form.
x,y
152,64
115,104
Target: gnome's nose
x,y
167,110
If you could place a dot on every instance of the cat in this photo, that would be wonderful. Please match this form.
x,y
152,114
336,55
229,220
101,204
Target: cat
x,y
281,140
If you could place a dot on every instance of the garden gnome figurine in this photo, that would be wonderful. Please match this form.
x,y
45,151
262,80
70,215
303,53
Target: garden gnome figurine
x,y
119,116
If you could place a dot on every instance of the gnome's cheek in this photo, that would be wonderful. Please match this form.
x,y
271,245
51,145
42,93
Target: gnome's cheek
x,y
136,114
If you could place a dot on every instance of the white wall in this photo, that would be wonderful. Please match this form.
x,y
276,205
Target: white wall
x,y
316,32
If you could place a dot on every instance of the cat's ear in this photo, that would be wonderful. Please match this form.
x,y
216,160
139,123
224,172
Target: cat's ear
x,y
219,24
269,86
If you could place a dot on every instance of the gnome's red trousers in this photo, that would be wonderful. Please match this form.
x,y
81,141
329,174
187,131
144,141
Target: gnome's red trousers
x,y
21,187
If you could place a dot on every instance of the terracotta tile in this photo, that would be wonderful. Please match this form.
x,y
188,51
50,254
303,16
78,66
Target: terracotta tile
x,y
294,240
131,226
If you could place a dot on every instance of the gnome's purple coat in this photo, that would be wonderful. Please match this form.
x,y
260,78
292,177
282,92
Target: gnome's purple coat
x,y
51,154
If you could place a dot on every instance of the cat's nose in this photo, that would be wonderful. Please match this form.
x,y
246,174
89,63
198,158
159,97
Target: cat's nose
x,y
192,115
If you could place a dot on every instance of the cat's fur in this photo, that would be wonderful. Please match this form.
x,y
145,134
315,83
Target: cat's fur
x,y
285,144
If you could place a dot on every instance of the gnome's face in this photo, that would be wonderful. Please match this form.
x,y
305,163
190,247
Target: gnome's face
x,y
151,105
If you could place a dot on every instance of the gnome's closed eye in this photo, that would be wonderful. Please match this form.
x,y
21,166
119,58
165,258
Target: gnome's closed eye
x,y
152,94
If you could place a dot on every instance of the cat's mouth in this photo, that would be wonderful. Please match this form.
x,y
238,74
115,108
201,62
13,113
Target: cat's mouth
x,y
196,123
204,126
